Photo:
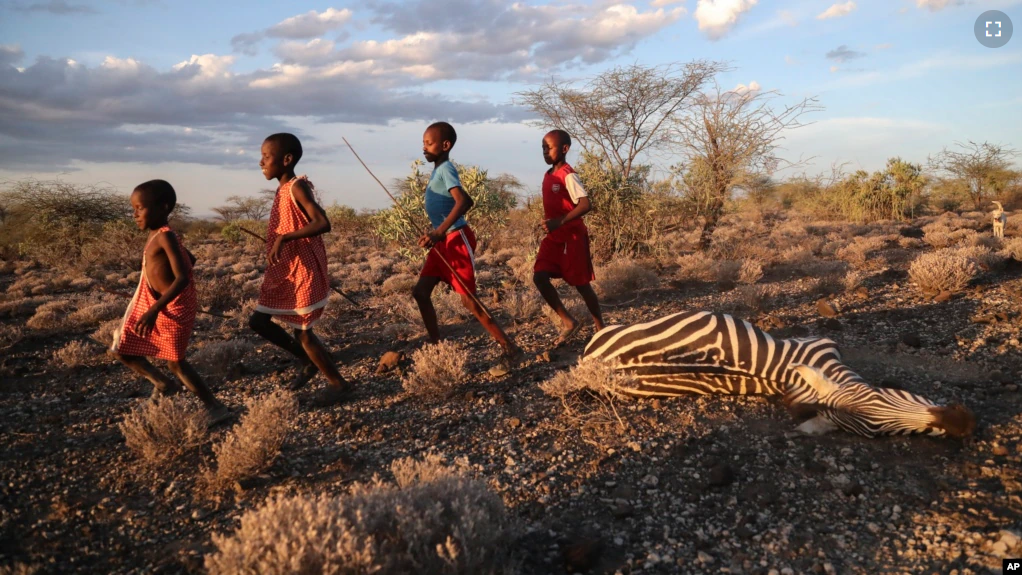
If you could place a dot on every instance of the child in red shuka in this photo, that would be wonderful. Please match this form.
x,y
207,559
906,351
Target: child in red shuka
x,y
564,252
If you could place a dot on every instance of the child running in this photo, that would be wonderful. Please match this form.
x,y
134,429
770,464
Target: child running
x,y
452,240
296,288
564,251
160,318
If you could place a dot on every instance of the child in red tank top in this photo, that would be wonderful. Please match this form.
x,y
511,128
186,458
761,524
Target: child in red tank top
x,y
564,252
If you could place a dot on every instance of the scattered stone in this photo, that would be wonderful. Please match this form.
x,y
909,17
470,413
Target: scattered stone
x,y
1000,450
704,558
499,370
513,422
911,339
944,296
826,309
721,475
390,361
544,357
862,292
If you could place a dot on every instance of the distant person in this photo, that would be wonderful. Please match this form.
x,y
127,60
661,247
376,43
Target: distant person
x,y
159,321
564,251
296,287
452,240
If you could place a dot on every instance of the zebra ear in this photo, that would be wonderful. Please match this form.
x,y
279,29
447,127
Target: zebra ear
x,y
816,379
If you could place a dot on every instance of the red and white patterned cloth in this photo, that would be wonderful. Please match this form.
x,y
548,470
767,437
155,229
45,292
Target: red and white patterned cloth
x,y
169,337
296,288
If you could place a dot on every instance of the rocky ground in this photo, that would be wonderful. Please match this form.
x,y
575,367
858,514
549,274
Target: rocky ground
x,y
716,485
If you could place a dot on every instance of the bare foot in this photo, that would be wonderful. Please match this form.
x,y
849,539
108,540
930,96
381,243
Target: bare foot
x,y
305,373
508,361
165,392
567,333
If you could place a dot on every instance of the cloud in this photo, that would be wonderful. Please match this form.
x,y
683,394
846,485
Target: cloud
x,y
752,88
60,7
10,54
663,3
937,62
788,17
937,5
837,11
717,17
842,54
301,27
310,24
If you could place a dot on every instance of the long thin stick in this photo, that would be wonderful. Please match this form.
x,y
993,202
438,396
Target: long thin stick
x,y
411,220
126,295
338,290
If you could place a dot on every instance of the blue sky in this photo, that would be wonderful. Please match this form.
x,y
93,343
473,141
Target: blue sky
x,y
123,91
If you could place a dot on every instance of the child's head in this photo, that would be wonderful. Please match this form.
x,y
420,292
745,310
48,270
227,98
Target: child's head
x,y
438,140
555,146
151,204
280,153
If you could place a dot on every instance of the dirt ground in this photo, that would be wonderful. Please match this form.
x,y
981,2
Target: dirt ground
x,y
708,484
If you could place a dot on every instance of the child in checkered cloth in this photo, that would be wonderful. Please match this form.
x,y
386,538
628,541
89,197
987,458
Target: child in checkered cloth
x,y
159,321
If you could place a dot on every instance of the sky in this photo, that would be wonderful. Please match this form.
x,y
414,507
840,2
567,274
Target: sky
x,y
118,92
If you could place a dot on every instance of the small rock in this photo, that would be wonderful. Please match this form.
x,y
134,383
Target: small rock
x,y
1011,538
513,422
826,309
544,357
389,361
1000,450
862,292
1000,548
704,558
499,370
656,404
911,339
721,475
944,296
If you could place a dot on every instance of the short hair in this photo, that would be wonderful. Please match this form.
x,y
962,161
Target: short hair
x,y
446,131
288,143
562,136
158,192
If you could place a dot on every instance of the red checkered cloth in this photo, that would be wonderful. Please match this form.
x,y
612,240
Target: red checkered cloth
x,y
296,288
169,337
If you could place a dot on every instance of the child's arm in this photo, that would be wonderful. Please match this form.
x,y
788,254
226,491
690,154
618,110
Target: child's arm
x,y
462,204
167,243
318,222
582,204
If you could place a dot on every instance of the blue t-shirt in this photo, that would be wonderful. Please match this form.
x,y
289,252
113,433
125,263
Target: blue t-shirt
x,y
439,201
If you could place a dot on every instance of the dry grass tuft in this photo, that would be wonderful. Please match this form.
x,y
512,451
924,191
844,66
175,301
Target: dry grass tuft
x,y
251,446
437,369
217,294
105,334
10,335
219,358
1013,248
163,430
50,315
750,272
433,520
589,393
522,305
399,284
624,277
946,269
96,313
853,279
984,258
18,568
696,266
76,353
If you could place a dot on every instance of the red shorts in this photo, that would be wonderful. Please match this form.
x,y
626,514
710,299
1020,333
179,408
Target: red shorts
x,y
569,260
458,248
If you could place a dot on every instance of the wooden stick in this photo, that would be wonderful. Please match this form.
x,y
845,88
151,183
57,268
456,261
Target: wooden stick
x,y
338,290
126,295
411,221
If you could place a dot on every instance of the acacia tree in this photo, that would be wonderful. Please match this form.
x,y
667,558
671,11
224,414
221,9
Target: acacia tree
x,y
246,207
624,112
982,168
730,140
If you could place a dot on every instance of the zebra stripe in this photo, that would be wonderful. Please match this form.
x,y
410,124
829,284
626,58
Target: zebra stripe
x,y
712,353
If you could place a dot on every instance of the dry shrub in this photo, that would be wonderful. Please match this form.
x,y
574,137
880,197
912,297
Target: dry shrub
x,y
945,269
18,568
1013,248
484,278
433,520
218,358
852,280
105,334
251,446
726,271
990,242
218,294
97,313
576,307
449,306
964,236
696,266
437,369
163,430
400,331
399,284
10,335
20,307
76,353
937,238
857,253
983,257
910,243
50,315
624,277
827,285
522,268
522,305
589,393
754,297
750,272
797,256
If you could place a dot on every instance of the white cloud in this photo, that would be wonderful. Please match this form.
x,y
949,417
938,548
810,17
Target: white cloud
x,y
310,24
937,62
717,17
663,3
935,5
837,11
752,88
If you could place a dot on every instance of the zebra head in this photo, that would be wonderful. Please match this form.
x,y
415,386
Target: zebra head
x,y
852,405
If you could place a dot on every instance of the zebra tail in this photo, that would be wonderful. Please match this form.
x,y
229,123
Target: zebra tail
x,y
956,420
